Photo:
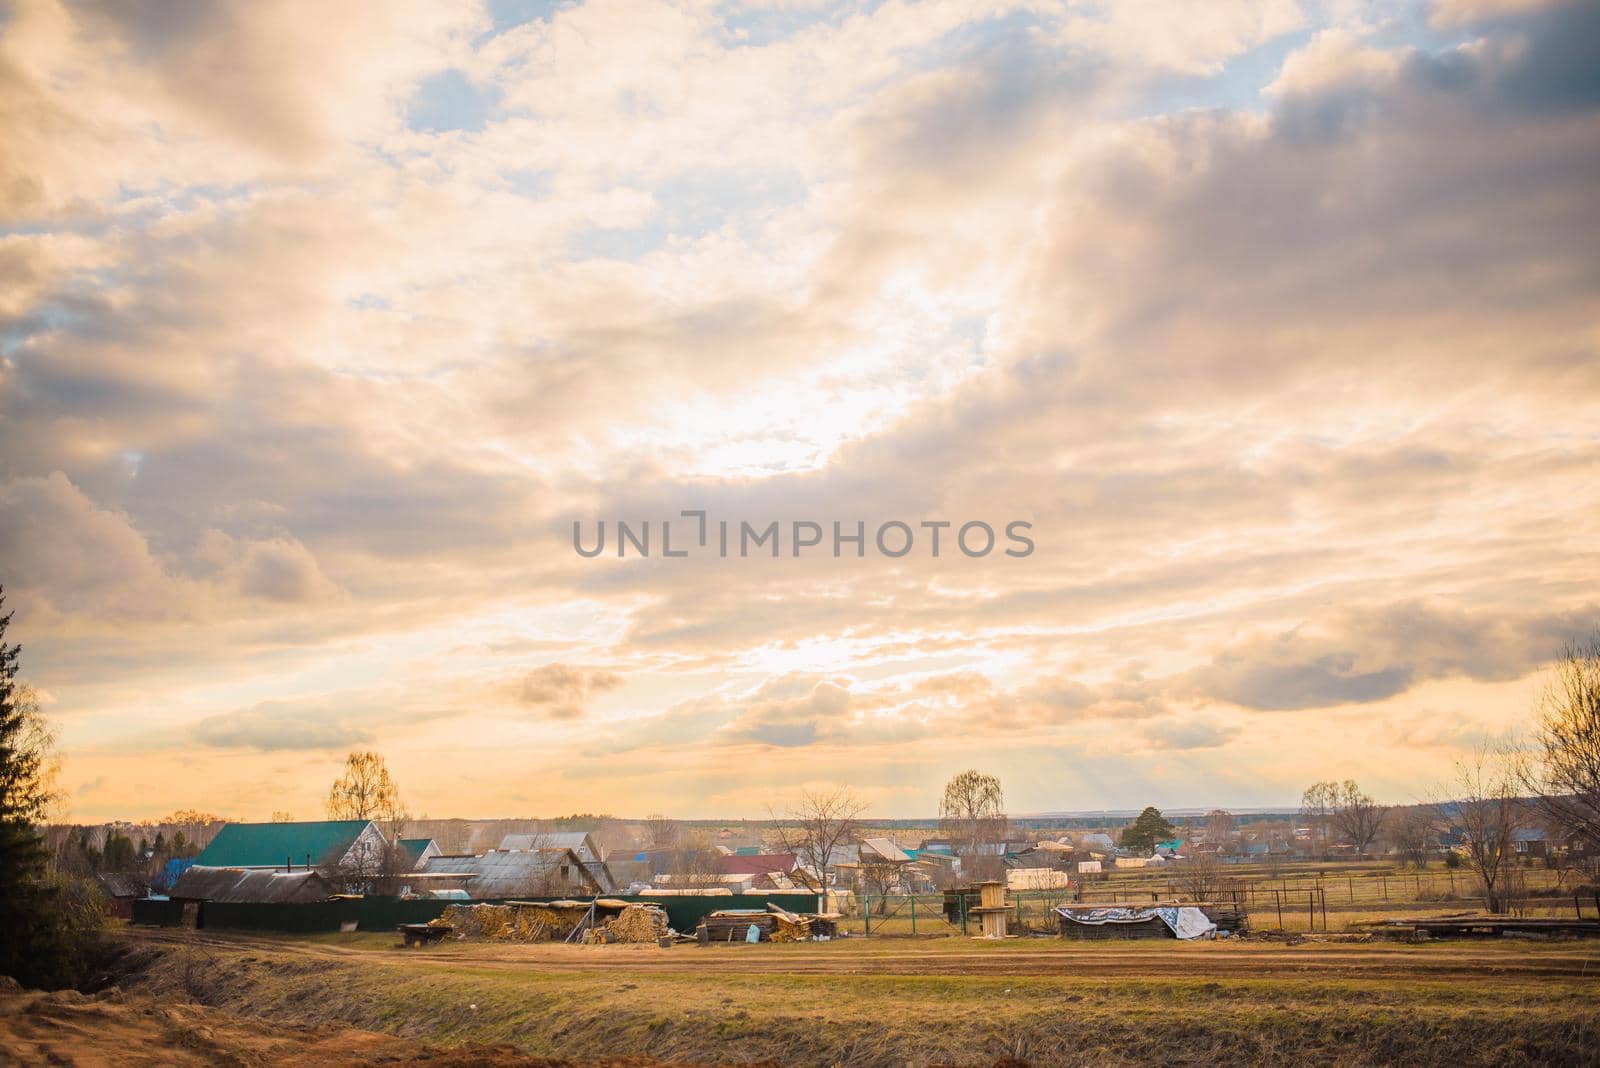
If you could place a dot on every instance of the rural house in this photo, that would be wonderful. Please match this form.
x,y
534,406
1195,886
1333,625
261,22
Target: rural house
x,y
121,891
322,844
514,873
582,845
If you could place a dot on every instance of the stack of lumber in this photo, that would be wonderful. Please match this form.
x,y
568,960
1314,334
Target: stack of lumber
x,y
1227,915
824,924
734,925
789,927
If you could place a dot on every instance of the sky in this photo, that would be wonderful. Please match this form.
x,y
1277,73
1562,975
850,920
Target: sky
x,y
322,325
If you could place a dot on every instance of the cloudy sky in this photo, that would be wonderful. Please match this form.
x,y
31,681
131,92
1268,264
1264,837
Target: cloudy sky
x,y
320,325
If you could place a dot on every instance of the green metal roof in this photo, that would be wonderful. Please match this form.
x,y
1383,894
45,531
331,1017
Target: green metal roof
x,y
270,845
414,847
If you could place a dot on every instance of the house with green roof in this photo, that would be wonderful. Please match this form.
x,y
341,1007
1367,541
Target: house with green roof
x,y
323,844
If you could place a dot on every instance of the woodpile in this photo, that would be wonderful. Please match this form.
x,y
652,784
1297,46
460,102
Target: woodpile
x,y
494,923
734,926
1228,916
509,923
824,925
635,923
777,924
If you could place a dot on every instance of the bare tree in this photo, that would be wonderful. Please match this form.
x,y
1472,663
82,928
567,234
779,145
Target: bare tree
x,y
1316,810
695,862
661,832
1563,771
365,791
1219,826
815,828
879,878
1414,834
973,812
1484,806
1356,817
1201,878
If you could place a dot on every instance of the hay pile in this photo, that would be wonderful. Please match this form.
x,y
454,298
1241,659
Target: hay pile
x,y
500,923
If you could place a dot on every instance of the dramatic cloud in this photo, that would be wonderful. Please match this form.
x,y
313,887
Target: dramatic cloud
x,y
1364,656
319,329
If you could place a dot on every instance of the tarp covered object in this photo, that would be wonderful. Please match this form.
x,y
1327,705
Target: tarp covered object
x,y
1185,921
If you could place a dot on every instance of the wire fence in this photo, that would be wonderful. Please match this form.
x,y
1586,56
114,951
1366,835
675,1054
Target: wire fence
x,y
1292,903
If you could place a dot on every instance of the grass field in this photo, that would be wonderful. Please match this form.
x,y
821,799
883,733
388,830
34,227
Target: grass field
x,y
902,1001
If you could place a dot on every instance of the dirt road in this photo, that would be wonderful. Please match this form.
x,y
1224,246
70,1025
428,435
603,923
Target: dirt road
x,y
1440,961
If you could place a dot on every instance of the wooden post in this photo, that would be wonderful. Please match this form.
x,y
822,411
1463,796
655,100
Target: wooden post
x,y
913,914
1278,895
1384,880
1311,910
1352,882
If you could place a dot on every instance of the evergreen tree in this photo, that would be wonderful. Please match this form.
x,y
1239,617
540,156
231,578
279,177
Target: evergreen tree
x,y
119,853
1144,832
36,947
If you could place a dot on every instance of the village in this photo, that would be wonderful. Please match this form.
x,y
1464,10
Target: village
x,y
823,871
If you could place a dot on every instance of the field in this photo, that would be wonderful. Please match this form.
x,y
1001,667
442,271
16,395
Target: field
x,y
895,1001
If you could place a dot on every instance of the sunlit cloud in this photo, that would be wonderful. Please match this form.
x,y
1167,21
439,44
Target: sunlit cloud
x,y
1276,321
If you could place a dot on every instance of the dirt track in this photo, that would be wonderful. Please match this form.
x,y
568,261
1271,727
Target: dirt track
x,y
1443,961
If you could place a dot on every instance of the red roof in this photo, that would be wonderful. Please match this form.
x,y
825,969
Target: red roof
x,y
759,864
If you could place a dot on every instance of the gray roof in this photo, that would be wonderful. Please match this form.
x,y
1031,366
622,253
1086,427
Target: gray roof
x,y
119,884
250,885
514,873
577,841
885,850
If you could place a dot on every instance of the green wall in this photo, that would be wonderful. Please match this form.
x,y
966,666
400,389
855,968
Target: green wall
x,y
385,913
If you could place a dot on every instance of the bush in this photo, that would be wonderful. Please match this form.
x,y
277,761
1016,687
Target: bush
x,y
56,933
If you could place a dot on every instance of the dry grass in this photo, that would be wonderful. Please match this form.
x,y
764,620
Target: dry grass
x,y
954,1001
